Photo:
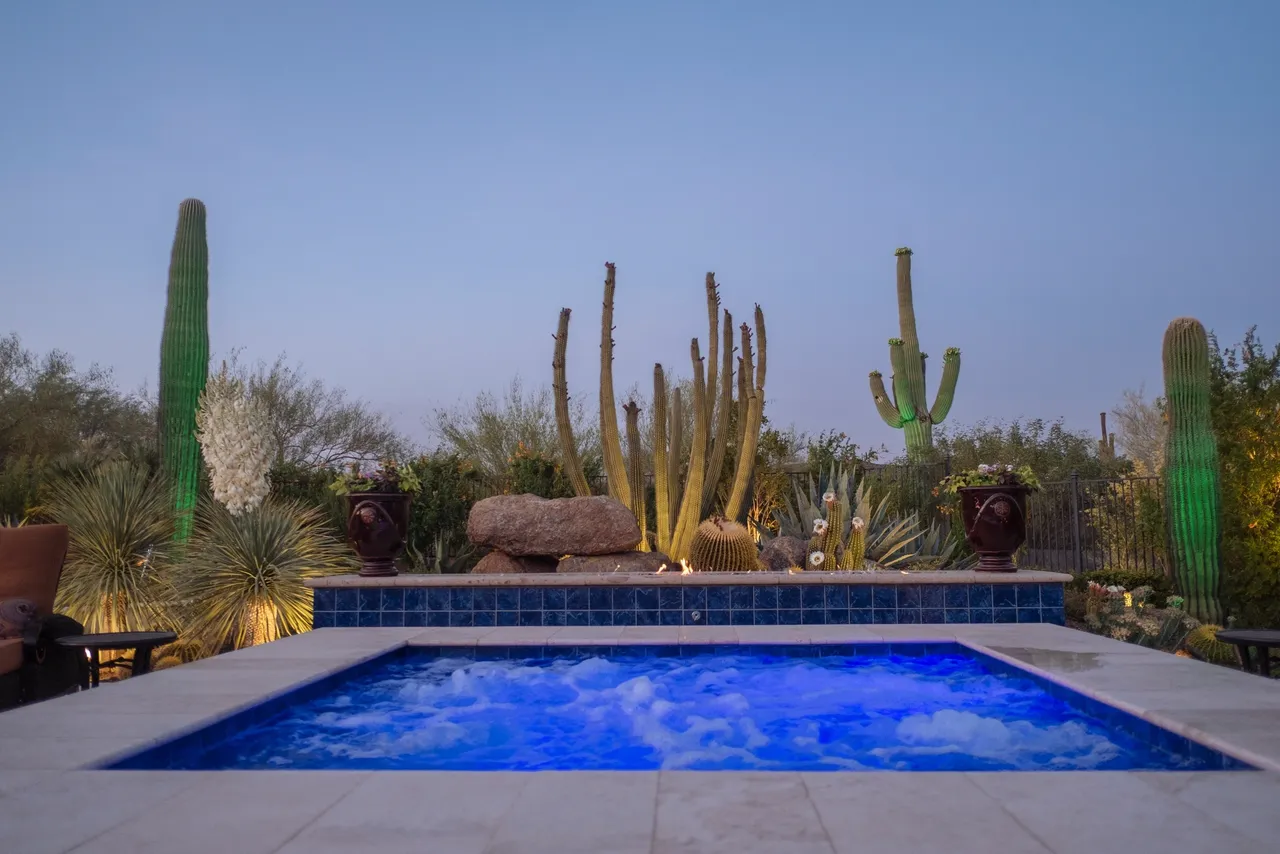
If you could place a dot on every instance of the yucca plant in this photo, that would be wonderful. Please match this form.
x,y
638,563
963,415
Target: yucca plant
x,y
116,577
242,578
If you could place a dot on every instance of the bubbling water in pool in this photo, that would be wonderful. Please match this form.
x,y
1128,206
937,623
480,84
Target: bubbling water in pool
x,y
704,712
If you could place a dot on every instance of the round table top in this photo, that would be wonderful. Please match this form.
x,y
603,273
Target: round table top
x,y
1263,637
118,640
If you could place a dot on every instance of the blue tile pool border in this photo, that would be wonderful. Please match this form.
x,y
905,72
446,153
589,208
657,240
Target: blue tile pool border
x,y
184,749
743,604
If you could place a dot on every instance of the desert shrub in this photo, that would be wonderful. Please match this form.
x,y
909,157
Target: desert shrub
x,y
532,473
1161,587
309,486
1246,419
438,516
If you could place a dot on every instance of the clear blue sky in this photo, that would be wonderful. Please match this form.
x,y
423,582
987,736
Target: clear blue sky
x,y
402,195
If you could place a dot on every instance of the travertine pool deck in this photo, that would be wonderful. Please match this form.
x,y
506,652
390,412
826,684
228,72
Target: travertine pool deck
x,y
50,803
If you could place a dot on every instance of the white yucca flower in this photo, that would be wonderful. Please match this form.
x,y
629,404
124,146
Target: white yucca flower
x,y
236,442
819,526
817,558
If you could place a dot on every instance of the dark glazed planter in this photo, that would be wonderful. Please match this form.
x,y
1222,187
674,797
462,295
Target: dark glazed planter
x,y
995,524
377,525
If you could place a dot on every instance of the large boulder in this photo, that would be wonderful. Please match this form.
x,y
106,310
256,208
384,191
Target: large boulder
x,y
500,563
639,563
523,525
782,553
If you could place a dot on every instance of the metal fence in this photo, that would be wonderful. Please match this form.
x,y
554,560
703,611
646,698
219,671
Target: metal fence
x,y
1079,525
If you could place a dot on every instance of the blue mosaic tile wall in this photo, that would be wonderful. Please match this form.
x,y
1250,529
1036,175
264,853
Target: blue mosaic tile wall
x,y
689,605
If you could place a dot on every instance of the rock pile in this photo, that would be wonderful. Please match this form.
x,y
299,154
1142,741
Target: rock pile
x,y
532,534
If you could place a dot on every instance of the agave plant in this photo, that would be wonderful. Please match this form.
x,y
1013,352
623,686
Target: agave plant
x,y
117,575
890,541
242,578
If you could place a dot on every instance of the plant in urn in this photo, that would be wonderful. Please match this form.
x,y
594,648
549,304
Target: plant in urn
x,y
993,510
378,514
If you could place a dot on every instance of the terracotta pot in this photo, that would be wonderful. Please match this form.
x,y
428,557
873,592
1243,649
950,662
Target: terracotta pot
x,y
995,524
377,526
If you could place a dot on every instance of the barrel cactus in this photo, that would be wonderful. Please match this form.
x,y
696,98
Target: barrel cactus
x,y
184,360
722,545
1192,480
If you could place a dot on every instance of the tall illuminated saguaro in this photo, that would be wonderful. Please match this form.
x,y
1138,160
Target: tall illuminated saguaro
x,y
184,360
1193,492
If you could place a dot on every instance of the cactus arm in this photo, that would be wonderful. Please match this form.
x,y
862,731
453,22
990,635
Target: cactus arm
x,y
947,387
691,503
564,424
635,464
751,438
674,482
661,463
610,441
746,380
884,405
713,344
761,349
913,375
720,442
1192,479
184,360
902,395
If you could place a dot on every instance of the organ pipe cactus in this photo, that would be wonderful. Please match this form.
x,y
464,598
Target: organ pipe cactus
x,y
635,470
184,360
564,424
1191,476
908,409
680,505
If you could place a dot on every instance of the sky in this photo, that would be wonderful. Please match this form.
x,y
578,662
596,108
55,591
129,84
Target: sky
x,y
402,195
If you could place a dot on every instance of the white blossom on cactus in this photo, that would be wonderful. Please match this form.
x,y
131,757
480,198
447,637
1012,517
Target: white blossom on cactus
x,y
819,526
816,558
858,524
235,440
828,498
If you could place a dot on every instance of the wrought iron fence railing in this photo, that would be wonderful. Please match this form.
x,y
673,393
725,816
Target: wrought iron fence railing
x,y
1080,525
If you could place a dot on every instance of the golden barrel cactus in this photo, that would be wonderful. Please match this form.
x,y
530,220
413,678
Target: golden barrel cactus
x,y
720,545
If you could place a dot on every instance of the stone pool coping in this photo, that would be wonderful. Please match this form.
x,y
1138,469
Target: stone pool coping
x,y
577,579
46,791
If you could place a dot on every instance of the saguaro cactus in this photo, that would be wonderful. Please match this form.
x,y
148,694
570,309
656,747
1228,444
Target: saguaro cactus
x,y
909,409
1192,480
184,359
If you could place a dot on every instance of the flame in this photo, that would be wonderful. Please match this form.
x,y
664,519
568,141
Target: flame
x,y
664,566
685,569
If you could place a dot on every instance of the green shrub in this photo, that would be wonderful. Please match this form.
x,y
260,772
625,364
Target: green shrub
x,y
531,473
309,486
438,517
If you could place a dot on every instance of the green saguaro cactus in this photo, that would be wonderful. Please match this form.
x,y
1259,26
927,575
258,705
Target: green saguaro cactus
x,y
908,409
184,359
1192,480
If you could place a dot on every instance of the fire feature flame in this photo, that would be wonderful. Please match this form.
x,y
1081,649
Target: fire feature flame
x,y
685,569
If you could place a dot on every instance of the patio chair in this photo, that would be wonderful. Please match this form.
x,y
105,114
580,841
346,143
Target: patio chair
x,y
32,666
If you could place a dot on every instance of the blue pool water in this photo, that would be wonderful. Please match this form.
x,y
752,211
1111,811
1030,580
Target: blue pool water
x,y
942,709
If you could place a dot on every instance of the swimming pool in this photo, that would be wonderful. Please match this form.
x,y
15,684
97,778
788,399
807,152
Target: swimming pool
x,y
899,707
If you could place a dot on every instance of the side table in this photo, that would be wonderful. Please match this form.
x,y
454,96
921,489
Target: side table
x,y
1261,639
142,643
